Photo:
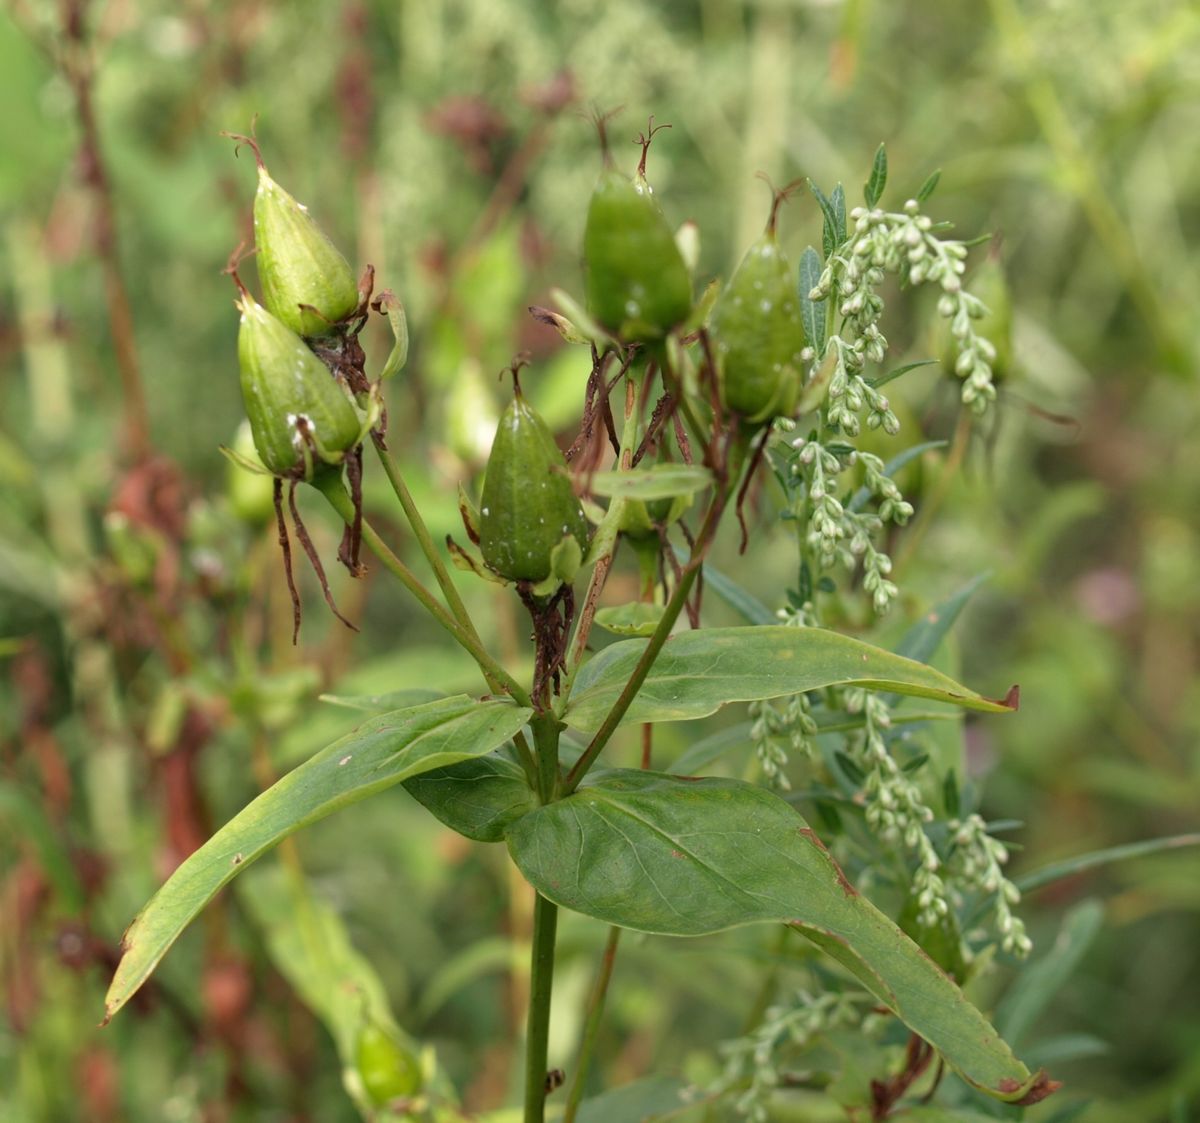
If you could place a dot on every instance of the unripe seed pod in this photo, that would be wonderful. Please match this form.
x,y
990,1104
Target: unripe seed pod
x,y
297,411
388,1070
306,282
636,281
249,493
528,506
758,332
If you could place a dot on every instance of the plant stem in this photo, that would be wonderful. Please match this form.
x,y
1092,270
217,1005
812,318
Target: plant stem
x,y
424,539
591,1029
546,729
661,633
497,677
537,1033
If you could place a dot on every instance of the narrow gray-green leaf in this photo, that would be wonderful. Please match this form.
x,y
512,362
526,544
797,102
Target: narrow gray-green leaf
x,y
382,703
736,596
892,375
812,312
661,481
381,752
863,495
479,798
838,201
679,857
873,188
698,672
929,186
1056,871
829,235
922,640
1041,980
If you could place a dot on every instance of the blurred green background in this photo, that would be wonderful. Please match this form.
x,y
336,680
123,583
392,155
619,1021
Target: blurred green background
x,y
149,687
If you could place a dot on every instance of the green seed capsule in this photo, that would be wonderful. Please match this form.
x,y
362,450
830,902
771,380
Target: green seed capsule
x,y
297,411
528,507
636,280
306,282
758,333
388,1070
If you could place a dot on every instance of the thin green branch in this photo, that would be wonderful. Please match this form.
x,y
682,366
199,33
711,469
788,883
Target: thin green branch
x,y
497,677
591,1029
683,586
537,1033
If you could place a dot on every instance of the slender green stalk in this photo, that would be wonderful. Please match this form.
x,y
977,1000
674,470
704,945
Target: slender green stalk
x,y
537,1034
546,729
493,672
674,606
445,582
591,1028
424,539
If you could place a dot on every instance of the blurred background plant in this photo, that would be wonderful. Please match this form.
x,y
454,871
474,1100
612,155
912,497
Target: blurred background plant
x,y
151,688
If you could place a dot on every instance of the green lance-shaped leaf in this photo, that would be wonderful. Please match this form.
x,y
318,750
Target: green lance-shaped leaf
x,y
698,672
679,857
660,481
380,753
814,313
479,798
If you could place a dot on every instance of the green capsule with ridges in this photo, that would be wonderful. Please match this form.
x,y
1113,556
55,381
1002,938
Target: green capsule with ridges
x,y
528,506
758,333
637,283
298,413
306,282
389,1070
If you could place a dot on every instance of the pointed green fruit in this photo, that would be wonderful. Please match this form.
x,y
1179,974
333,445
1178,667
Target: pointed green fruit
x,y
528,506
637,284
387,1068
759,335
250,493
306,282
298,413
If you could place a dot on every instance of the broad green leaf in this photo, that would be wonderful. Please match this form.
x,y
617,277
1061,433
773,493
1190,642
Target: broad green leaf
x,y
660,481
635,619
1035,879
679,857
812,312
479,798
873,188
698,672
380,753
382,703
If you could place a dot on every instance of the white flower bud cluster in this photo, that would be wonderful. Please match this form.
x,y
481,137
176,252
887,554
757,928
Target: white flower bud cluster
x,y
836,534
977,861
895,808
786,1029
905,245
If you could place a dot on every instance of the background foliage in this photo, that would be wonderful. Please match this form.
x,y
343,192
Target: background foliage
x,y
138,710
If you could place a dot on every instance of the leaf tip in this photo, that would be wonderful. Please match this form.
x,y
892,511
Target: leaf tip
x,y
1012,700
1039,1089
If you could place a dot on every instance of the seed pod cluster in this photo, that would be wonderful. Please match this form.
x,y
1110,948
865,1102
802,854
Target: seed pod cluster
x,y
298,412
758,332
636,281
528,507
